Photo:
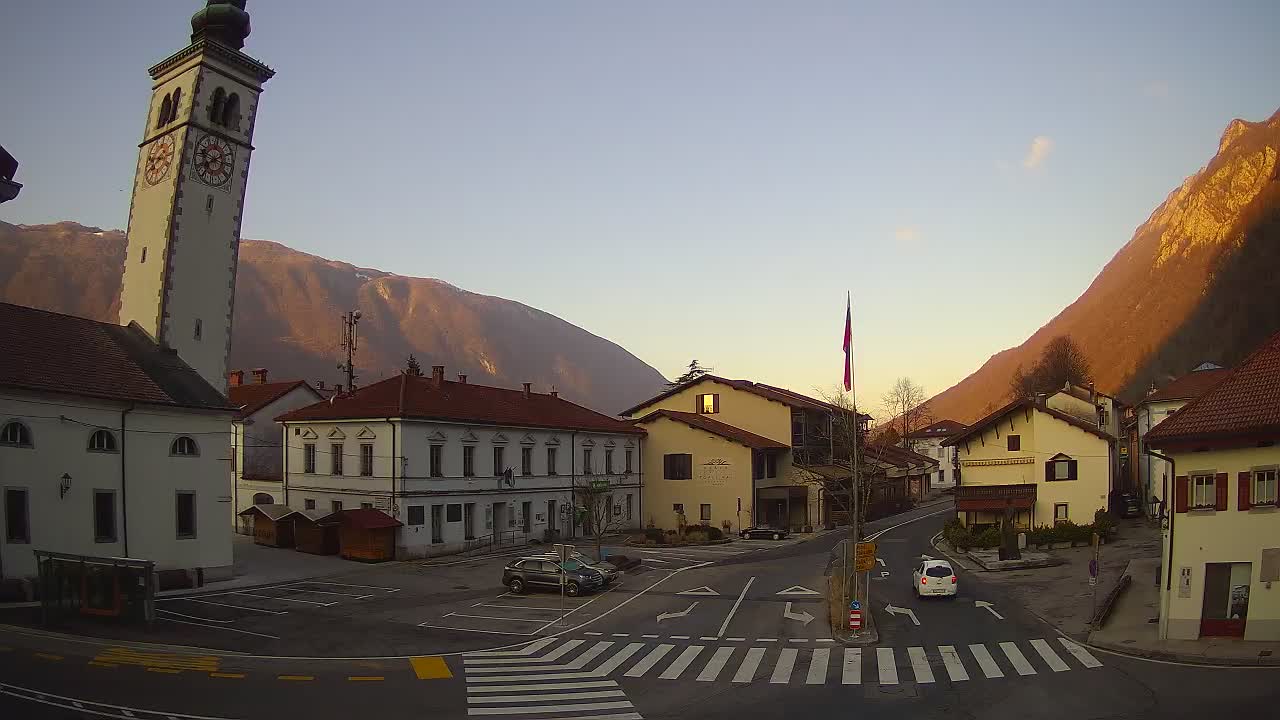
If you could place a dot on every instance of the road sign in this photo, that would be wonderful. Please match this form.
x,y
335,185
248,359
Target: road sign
x,y
855,619
563,552
867,547
1093,581
855,605
1093,568
599,484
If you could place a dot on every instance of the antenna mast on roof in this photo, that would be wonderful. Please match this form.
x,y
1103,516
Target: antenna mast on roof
x,y
349,321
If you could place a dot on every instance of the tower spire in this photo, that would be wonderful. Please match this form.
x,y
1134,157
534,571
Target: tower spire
x,y
223,21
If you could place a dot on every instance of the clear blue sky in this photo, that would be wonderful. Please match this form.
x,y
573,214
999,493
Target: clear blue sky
x,y
688,179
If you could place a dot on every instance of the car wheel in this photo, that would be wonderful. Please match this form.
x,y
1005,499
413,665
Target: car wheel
x,y
572,589
777,536
517,586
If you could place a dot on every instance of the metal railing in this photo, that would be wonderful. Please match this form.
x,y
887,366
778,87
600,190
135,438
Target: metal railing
x,y
498,538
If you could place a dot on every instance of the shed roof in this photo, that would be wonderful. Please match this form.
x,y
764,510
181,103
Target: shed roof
x,y
367,519
1189,386
271,512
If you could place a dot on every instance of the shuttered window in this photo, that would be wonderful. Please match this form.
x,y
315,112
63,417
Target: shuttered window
x,y
677,466
1202,492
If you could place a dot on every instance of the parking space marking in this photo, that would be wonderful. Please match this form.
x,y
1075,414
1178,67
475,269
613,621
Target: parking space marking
x,y
487,632
430,667
545,608
367,587
282,599
218,627
229,605
295,588
194,617
492,617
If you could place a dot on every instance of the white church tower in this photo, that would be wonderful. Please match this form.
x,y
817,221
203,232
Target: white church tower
x,y
189,189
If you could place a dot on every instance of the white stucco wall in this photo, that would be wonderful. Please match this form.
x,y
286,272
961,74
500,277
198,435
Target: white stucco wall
x,y
256,440
66,524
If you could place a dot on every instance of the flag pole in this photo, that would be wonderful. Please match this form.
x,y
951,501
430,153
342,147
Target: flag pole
x,y
853,482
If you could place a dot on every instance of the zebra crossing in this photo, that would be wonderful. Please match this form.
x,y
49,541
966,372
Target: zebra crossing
x,y
582,666
519,684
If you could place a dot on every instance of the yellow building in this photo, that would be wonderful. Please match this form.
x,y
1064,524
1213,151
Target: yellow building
x,y
734,453
1222,539
1051,465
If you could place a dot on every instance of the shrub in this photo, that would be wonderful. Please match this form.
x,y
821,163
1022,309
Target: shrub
x,y
989,538
712,532
691,535
654,535
1103,521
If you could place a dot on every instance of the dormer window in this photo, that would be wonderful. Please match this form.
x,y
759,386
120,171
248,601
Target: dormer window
x,y
708,404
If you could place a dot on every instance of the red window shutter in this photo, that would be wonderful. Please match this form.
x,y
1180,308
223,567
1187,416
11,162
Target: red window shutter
x,y
1182,487
1220,487
1243,499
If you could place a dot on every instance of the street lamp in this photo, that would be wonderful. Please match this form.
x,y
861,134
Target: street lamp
x,y
65,486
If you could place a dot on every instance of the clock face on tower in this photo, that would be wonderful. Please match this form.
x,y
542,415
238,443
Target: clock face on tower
x,y
159,158
213,161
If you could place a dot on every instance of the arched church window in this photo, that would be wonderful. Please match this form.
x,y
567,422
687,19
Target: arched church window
x,y
163,117
231,112
173,111
216,107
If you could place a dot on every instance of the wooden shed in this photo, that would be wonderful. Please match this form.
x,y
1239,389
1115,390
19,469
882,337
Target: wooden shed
x,y
315,531
270,526
366,534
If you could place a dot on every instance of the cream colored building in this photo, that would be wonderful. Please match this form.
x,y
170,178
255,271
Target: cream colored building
x,y
1221,561
1050,465
1152,472
928,441
257,457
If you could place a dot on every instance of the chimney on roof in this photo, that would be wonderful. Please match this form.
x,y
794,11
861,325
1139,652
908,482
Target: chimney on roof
x,y
462,378
319,384
437,375
260,376
555,393
235,378
528,390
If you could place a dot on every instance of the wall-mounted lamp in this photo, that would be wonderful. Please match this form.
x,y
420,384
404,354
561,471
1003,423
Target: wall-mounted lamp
x,y
65,486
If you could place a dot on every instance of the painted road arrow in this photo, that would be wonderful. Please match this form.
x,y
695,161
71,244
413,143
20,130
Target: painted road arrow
x,y
797,590
902,611
987,605
704,590
881,561
802,616
686,611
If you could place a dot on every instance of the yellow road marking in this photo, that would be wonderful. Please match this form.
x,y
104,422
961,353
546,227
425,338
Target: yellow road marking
x,y
95,663
170,671
48,656
430,667
365,678
295,677
236,676
127,656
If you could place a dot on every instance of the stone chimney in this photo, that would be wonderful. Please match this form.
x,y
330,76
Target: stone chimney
x,y
260,376
462,378
319,384
555,393
528,390
437,375
235,378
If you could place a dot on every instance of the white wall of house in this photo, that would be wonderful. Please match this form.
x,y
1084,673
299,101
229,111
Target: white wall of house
x,y
60,430
258,467
447,500
1153,473
945,475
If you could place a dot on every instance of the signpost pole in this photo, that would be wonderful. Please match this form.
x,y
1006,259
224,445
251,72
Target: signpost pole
x,y
1093,573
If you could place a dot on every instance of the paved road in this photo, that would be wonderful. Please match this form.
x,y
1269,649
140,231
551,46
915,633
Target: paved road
x,y
718,632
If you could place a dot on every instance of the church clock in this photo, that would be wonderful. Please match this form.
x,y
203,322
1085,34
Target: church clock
x,y
213,160
159,158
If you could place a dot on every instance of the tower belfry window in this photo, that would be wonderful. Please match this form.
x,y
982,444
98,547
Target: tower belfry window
x,y
163,117
217,105
173,110
231,112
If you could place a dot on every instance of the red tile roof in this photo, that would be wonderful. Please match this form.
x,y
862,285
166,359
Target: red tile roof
x,y
1246,402
51,352
982,424
769,392
255,396
419,398
365,519
940,429
1189,386
715,427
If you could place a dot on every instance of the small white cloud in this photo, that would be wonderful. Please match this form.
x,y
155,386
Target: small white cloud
x,y
1039,151
1156,89
906,233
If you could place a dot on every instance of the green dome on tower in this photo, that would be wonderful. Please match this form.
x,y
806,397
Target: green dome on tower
x,y
224,21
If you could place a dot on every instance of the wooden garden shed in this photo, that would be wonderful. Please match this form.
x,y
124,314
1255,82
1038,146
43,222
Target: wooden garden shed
x,y
270,526
366,534
315,531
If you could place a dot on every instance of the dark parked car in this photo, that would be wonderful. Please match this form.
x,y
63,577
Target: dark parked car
x,y
1125,504
533,573
605,568
765,533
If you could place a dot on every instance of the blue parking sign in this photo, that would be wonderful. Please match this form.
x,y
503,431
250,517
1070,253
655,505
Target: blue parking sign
x,y
855,605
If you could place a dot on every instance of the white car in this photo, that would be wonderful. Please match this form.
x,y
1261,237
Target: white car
x,y
934,577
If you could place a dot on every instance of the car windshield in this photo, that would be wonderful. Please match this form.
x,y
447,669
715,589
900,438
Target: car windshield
x,y
938,571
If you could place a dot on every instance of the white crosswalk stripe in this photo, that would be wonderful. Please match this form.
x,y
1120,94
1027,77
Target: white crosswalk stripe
x,y
681,663
1080,654
786,661
818,667
951,660
986,662
649,661
852,670
716,664
1017,659
1050,657
886,666
920,664
510,692
747,670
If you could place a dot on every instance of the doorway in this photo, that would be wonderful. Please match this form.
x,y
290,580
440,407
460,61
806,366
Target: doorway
x,y
469,521
499,520
526,516
1226,599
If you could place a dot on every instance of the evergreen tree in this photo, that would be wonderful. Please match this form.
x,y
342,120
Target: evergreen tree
x,y
694,372
414,367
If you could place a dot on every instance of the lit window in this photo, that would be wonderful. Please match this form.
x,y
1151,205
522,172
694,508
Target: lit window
x,y
709,404
184,446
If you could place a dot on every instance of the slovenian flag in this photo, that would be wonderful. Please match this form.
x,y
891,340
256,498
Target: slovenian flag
x,y
848,344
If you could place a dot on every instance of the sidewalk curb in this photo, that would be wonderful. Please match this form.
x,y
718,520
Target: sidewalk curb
x,y
1179,658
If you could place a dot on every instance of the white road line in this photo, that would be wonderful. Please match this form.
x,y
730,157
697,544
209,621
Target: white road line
x,y
747,670
734,609
647,636
649,661
660,562
509,633
282,599
766,639
594,634
529,649
715,664
194,617
679,637
589,655
951,660
532,709
45,698
295,588
818,667
851,672
238,607
366,587
985,661
887,666
216,627
621,635
826,640
551,676
674,670
735,639
618,658
576,609
539,621
548,658
543,686
588,695
1079,653
920,665
708,637
799,640
1017,659
1050,657
535,608
472,670
786,663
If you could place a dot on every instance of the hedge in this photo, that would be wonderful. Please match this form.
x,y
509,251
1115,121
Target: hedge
x,y
962,538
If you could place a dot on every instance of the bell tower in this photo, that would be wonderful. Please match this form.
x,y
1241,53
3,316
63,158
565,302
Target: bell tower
x,y
188,191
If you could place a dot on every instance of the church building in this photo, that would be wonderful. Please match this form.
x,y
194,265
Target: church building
x,y
115,438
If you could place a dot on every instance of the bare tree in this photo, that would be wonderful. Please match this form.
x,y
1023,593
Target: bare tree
x,y
600,517
907,403
1061,362
844,432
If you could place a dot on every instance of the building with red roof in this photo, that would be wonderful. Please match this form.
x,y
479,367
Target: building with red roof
x,y
1219,503
928,441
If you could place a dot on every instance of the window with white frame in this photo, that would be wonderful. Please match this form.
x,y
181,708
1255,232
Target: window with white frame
x,y
705,512
366,459
1060,514
1264,487
184,446
309,457
1203,493
335,458
102,441
16,434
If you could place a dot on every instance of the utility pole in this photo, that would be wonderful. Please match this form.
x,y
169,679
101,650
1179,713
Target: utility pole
x,y
349,321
